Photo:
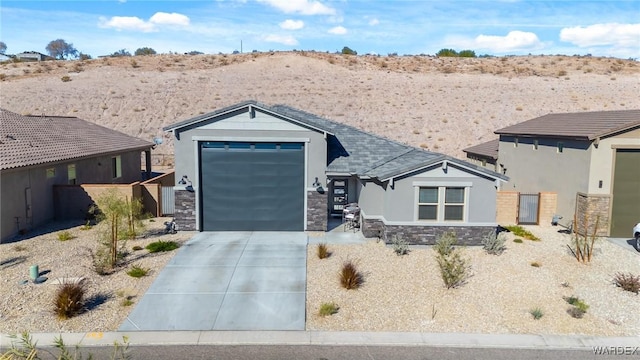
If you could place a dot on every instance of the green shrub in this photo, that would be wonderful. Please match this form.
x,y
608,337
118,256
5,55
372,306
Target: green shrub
x,y
400,245
445,243
627,282
579,307
536,264
327,309
86,226
447,53
323,251
536,313
69,300
518,230
65,235
350,277
137,248
517,241
161,246
453,267
65,78
493,243
137,271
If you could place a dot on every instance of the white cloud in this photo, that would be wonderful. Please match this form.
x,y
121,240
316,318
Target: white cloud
x,y
134,23
620,35
286,39
303,7
292,24
338,30
162,18
513,41
127,23
374,22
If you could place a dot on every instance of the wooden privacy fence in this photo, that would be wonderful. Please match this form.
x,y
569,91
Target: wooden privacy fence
x,y
73,201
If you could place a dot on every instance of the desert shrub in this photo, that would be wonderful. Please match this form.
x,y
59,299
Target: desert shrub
x,y
323,251
447,53
65,78
3,76
400,245
493,243
69,300
518,230
137,248
445,243
536,264
137,271
582,244
26,348
65,235
86,226
517,241
327,309
350,277
627,282
161,246
579,307
562,73
536,313
453,269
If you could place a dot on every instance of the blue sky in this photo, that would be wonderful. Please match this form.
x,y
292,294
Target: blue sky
x,y
497,27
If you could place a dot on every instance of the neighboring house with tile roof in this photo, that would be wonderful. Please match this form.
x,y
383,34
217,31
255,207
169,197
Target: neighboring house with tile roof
x,y
38,152
251,166
484,154
590,159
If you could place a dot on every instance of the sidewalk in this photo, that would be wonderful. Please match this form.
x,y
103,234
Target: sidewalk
x,y
455,340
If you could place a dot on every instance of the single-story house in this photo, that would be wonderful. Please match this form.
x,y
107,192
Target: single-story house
x,y
39,152
33,56
590,159
251,166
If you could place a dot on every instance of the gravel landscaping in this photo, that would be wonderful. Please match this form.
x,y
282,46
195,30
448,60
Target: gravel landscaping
x,y
406,293
399,293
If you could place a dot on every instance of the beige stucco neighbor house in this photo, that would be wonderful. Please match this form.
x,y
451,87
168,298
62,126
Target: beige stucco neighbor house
x,y
40,153
590,159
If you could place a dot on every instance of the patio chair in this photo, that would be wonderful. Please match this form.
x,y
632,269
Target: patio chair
x,y
351,217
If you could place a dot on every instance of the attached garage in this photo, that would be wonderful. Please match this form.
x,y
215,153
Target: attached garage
x,y
625,212
249,186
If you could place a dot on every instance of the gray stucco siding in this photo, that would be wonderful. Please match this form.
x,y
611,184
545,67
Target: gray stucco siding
x,y
545,169
186,149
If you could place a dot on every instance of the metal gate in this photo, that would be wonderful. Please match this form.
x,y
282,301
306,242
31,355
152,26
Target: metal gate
x,y
528,209
168,200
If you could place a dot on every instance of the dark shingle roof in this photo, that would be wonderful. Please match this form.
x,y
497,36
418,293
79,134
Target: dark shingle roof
x,y
33,140
350,150
487,149
582,126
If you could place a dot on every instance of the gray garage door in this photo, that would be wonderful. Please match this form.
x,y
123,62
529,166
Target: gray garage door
x,y
252,186
626,192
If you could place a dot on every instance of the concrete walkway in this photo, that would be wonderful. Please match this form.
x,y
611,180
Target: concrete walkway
x,y
228,281
626,243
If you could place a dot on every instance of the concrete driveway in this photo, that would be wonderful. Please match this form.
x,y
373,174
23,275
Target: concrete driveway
x,y
229,281
627,243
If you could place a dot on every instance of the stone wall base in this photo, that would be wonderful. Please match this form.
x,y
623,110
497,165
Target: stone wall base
x,y
185,210
424,234
589,208
317,211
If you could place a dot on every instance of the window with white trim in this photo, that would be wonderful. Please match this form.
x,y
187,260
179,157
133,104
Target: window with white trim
x,y
441,203
71,174
116,167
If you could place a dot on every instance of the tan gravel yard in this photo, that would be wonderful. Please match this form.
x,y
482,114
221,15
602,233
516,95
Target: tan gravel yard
x,y
406,293
30,306
400,293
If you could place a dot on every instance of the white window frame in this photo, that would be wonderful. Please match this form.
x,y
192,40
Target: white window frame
x,y
442,186
72,180
116,167
437,204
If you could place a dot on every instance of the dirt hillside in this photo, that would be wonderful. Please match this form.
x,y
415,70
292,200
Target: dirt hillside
x,y
440,104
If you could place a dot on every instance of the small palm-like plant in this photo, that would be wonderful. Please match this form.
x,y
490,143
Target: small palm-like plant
x,y
350,277
69,300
